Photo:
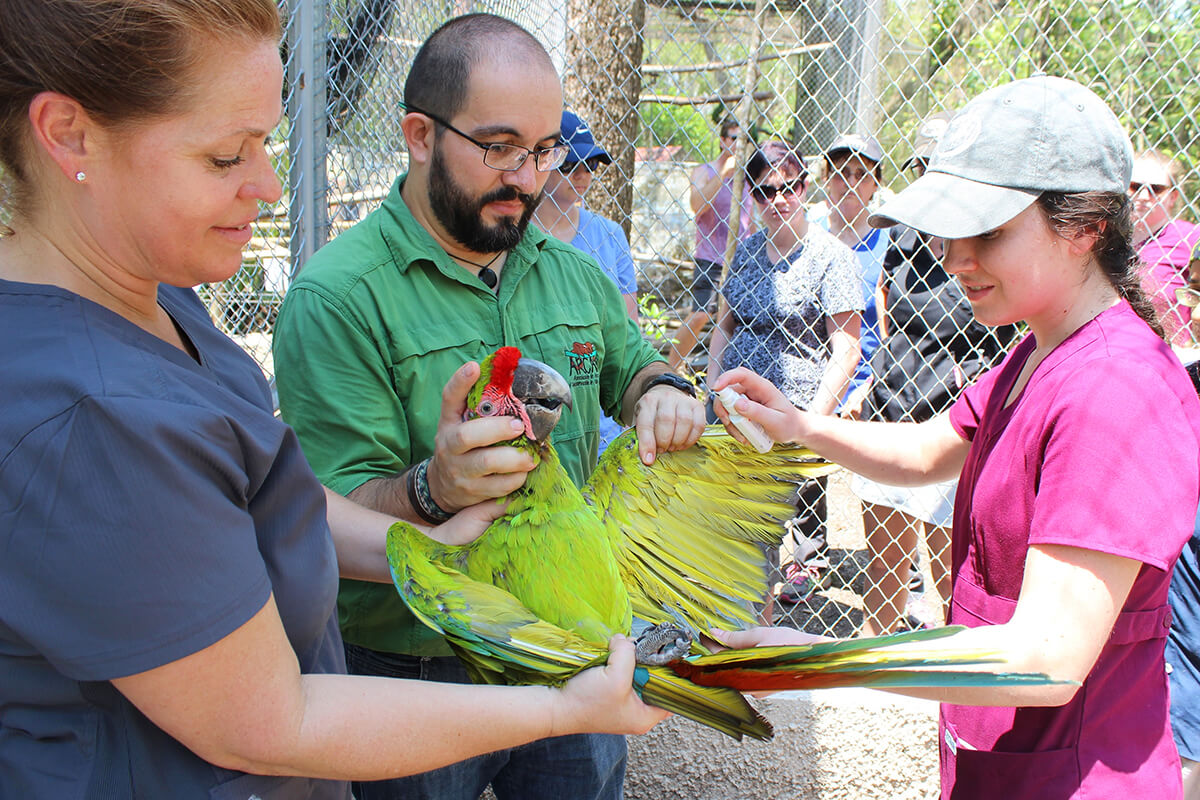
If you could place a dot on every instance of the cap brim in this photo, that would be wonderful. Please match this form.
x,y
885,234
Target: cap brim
x,y
844,149
584,153
952,207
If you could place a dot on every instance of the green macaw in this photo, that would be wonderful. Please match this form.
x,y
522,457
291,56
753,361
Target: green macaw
x,y
678,545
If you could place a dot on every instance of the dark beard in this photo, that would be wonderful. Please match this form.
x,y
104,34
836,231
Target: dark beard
x,y
462,217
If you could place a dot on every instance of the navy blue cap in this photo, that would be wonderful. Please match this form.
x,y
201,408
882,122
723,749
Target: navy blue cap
x,y
578,136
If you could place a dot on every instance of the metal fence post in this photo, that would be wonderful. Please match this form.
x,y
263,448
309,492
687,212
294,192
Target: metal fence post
x,y
307,83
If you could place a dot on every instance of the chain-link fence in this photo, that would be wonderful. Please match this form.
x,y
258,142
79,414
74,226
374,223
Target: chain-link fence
x,y
655,80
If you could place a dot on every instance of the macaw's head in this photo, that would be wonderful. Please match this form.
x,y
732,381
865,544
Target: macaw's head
x,y
511,386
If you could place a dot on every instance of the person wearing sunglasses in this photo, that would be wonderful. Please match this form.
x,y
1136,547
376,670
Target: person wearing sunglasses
x,y
791,310
562,214
373,336
1163,241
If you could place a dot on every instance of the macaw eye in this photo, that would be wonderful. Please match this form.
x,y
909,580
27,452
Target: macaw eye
x,y
486,408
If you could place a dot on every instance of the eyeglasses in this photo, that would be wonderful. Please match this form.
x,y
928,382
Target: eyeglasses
x,y
1154,188
507,157
590,165
1187,296
765,194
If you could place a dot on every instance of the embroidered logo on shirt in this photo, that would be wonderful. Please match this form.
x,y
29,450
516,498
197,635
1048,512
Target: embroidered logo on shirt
x,y
581,357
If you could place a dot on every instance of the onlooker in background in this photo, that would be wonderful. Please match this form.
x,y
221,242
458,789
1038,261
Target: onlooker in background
x,y
1163,242
1183,641
1183,660
853,174
793,306
1189,295
932,347
711,199
169,563
562,215
443,272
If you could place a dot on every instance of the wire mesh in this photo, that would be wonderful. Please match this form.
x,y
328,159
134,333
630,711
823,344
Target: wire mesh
x,y
654,80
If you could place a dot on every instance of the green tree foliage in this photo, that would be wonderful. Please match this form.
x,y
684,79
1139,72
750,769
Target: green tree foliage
x,y
683,126
1139,56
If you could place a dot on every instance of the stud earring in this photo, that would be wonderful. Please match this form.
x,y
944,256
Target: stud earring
x,y
81,176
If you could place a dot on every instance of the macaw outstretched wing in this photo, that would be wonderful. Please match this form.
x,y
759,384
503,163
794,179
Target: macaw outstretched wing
x,y
689,530
503,642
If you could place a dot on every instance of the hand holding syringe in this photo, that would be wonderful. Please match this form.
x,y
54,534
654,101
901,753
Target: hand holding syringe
x,y
753,432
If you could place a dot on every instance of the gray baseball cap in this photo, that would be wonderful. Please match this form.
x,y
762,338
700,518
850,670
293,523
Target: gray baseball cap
x,y
856,143
1006,147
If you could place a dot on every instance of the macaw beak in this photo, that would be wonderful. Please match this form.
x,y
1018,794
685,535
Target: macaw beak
x,y
543,392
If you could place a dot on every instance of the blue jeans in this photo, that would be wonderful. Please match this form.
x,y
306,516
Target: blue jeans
x,y
580,767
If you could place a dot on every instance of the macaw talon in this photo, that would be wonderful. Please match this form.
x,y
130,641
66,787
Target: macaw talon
x,y
662,644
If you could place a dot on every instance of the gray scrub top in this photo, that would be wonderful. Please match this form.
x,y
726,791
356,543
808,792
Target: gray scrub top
x,y
149,505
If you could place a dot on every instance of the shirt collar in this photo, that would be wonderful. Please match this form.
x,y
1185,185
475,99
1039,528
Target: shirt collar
x,y
410,243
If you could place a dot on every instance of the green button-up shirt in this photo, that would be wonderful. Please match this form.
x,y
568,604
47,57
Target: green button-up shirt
x,y
378,320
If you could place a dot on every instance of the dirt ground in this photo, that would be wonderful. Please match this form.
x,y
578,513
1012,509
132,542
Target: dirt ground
x,y
837,609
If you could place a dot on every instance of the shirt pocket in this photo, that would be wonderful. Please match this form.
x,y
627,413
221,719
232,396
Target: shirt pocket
x,y
422,358
570,338
970,774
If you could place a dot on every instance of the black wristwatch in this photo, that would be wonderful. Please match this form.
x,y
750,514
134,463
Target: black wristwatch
x,y
672,380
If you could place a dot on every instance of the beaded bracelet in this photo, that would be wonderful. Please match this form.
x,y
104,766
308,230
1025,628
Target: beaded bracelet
x,y
419,496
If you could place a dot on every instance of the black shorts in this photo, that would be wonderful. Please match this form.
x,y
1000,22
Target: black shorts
x,y
705,278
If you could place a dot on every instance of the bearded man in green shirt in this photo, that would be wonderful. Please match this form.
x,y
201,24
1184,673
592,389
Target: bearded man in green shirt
x,y
445,272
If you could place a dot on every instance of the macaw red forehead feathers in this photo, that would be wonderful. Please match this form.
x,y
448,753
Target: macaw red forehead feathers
x,y
504,363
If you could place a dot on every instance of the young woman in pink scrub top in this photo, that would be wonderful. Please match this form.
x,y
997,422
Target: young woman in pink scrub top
x,y
1077,455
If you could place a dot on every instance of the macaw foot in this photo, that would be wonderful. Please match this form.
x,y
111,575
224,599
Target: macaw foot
x,y
662,644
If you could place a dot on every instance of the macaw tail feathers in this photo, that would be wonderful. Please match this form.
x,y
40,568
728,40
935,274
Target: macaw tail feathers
x,y
890,661
725,710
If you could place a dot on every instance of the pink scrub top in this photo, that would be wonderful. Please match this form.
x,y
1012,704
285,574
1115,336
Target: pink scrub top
x,y
1101,450
1164,258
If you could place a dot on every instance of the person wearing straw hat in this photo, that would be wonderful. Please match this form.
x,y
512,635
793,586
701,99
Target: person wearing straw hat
x,y
1062,550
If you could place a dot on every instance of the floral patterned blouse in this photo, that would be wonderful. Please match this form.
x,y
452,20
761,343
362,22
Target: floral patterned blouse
x,y
779,310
